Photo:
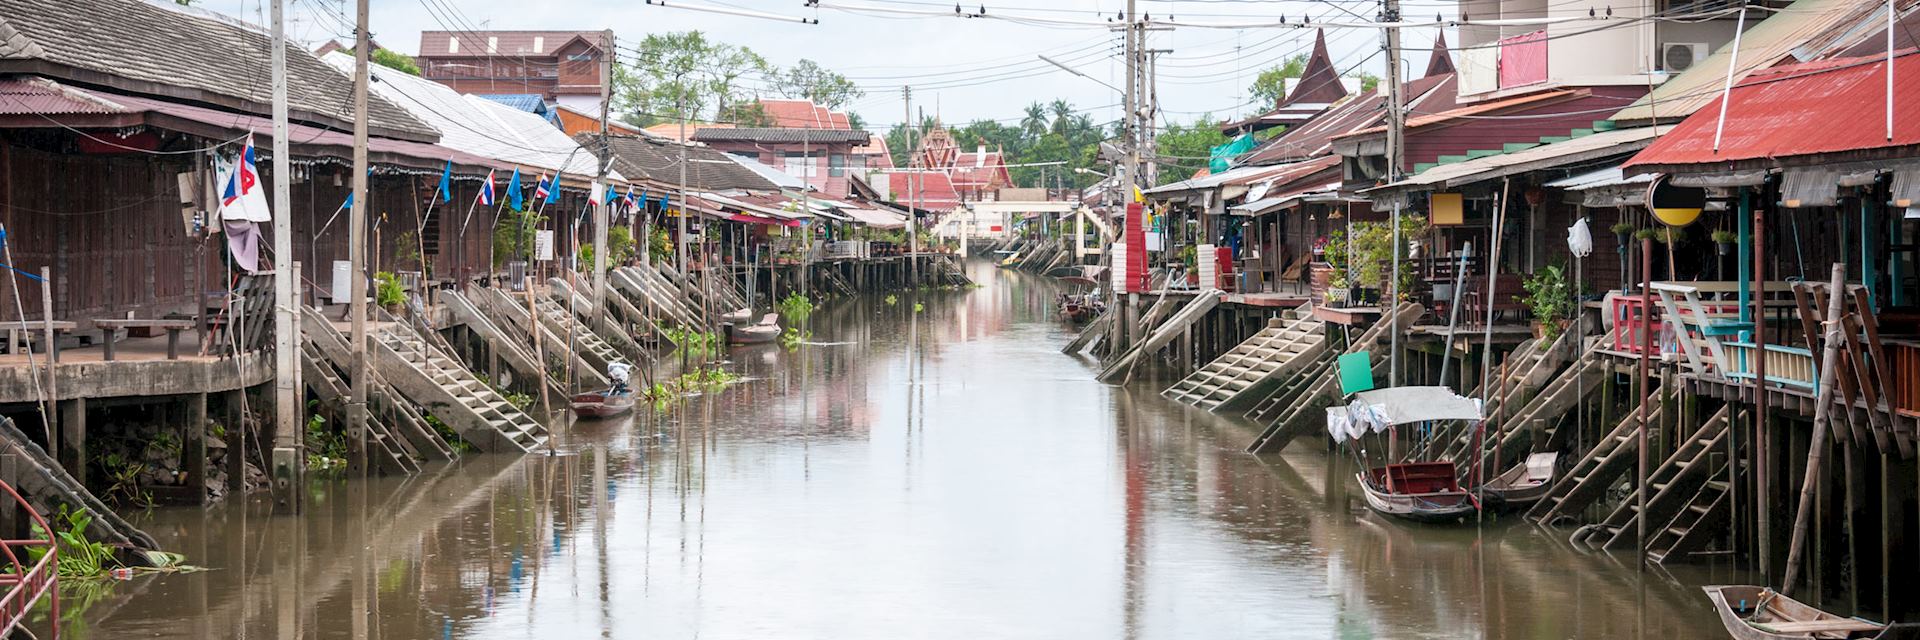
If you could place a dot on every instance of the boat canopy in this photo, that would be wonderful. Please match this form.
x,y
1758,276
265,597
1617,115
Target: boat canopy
x,y
1381,408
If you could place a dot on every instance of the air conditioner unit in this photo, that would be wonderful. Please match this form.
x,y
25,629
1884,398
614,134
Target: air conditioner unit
x,y
1681,56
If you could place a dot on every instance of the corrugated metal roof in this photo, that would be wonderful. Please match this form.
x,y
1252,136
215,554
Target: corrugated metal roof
x,y
1584,148
658,160
1764,45
528,102
1275,173
1608,177
182,53
30,95
794,136
779,178
479,125
1479,108
1798,110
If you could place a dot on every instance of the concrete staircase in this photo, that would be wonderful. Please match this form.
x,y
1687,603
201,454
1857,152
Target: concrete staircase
x,y
1676,480
1256,366
1588,481
505,345
1535,422
1707,512
564,295
451,393
651,291
583,341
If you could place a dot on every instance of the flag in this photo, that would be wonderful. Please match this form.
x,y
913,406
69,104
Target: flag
x,y
631,203
486,192
553,190
540,188
641,204
446,183
513,190
594,195
241,195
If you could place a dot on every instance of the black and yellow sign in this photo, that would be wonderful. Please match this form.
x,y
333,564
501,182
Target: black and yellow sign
x,y
1675,205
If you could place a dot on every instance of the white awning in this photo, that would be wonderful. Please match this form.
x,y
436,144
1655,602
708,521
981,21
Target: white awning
x,y
1379,409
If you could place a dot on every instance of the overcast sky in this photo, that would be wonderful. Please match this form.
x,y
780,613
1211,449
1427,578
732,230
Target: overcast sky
x,y
961,69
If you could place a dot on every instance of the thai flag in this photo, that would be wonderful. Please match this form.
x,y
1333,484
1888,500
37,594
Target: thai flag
x,y
241,196
540,188
631,203
486,191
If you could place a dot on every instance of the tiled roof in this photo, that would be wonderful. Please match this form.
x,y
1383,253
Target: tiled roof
x,y
658,160
1319,81
803,114
30,95
434,44
183,54
784,136
930,190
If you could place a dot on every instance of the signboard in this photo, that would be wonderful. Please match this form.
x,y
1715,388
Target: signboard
x,y
1208,267
1446,208
1675,205
543,245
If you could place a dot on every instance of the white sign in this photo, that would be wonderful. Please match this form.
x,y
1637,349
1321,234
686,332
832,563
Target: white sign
x,y
1207,262
1119,270
543,245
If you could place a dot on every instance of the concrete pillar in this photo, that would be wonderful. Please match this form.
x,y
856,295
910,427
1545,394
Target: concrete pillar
x,y
73,434
193,452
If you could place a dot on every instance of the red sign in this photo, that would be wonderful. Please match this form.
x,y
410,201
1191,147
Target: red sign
x,y
1136,239
994,228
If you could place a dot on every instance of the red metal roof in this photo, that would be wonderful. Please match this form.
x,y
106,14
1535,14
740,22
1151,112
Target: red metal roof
x,y
31,95
803,114
1315,136
1481,108
931,190
434,44
1799,110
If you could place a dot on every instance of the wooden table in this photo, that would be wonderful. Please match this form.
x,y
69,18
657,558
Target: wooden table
x,y
16,327
173,328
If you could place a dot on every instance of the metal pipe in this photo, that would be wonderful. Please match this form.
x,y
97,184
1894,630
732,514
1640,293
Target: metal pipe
x,y
1726,91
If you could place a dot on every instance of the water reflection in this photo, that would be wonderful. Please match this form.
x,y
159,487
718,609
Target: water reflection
x,y
940,473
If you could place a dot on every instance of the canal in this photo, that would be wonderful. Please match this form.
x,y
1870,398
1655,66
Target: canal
x,y
930,471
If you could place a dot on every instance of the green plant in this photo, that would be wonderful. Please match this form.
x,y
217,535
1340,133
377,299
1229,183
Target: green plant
x,y
513,236
326,448
1723,236
80,557
1190,256
659,245
620,239
792,338
918,307
406,250
447,433
694,343
1370,250
1647,234
892,300
1621,228
123,478
1550,298
519,400
796,306
387,290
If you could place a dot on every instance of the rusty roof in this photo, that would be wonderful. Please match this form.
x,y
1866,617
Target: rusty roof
x,y
30,96
1801,110
181,53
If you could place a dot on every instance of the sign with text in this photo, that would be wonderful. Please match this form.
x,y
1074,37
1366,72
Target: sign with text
x,y
543,245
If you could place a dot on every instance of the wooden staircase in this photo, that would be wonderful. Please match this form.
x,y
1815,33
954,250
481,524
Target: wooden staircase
x,y
1178,322
506,345
1296,408
1706,513
512,316
1256,366
584,341
451,393
1587,482
1543,412
386,453
396,425
1677,479
560,293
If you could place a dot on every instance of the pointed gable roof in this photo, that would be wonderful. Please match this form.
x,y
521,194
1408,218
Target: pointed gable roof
x,y
1319,82
1440,62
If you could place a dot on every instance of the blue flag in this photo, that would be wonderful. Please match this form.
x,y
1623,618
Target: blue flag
x,y
446,183
641,204
513,190
553,195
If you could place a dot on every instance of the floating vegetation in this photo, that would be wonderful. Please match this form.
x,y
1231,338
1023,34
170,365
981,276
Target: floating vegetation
x,y
892,300
793,337
917,307
796,307
80,556
694,343
326,448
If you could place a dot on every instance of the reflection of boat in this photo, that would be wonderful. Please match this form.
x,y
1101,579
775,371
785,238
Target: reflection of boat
x,y
1081,307
767,330
1521,486
603,404
1419,491
1759,613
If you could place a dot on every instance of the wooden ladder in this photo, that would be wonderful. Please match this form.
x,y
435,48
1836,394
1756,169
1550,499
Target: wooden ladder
x,y
1588,480
1249,369
1706,513
1677,479
1324,388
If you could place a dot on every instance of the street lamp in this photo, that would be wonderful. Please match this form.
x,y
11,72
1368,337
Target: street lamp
x,y
1077,72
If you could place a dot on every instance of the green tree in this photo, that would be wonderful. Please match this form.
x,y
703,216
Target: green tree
x,y
1035,122
392,60
807,79
686,70
1183,148
1270,87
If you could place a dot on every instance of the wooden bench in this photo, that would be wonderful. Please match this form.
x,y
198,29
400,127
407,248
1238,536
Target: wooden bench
x,y
1830,625
17,329
144,328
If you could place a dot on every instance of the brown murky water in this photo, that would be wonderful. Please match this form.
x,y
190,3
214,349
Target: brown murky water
x,y
942,474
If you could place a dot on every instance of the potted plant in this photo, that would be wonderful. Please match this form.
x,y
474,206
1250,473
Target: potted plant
x,y
1550,299
388,292
1190,256
1723,240
1621,233
1647,234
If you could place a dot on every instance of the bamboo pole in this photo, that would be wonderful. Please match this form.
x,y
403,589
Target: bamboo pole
x,y
1640,410
1822,417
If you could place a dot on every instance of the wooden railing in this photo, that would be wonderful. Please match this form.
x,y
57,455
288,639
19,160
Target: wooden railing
x,y
1904,388
1786,366
1630,321
25,580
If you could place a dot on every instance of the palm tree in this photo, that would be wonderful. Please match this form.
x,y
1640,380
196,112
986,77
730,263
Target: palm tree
x,y
1062,116
1035,124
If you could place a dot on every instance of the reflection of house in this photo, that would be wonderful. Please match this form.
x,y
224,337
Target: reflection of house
x,y
563,66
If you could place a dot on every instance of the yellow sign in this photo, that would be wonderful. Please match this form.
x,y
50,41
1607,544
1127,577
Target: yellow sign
x,y
1674,205
1446,208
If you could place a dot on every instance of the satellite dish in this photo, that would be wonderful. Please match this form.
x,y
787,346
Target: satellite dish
x,y
1674,205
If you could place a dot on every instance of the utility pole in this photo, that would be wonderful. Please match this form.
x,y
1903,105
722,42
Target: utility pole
x,y
286,404
913,216
603,214
684,201
1396,133
1151,119
356,245
1129,172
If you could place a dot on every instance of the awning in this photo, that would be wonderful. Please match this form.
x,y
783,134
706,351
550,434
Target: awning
x,y
115,111
1311,193
876,218
1609,187
1546,156
1379,409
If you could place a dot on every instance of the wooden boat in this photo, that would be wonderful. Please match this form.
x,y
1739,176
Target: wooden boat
x,y
1418,491
1760,613
767,330
1518,488
603,404
1080,307
736,316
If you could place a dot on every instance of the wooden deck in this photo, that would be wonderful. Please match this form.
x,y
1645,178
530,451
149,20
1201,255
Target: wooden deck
x,y
140,368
